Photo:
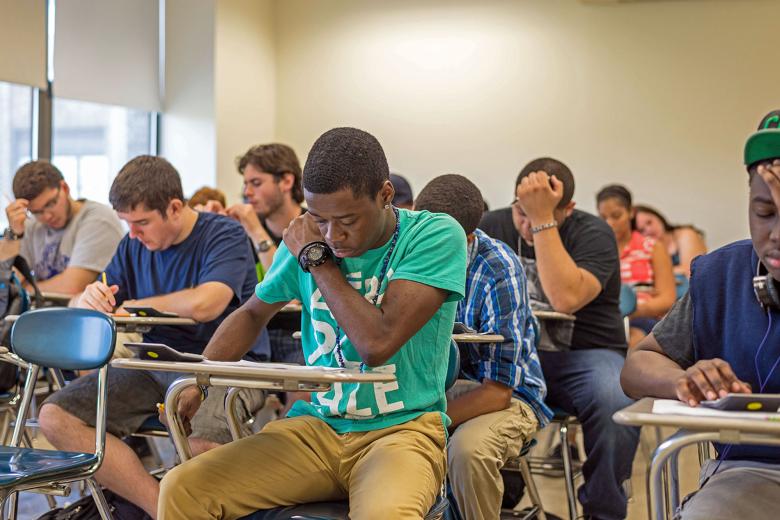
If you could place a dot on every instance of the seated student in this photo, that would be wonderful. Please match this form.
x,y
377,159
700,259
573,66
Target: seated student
x,y
501,404
719,338
644,263
571,260
378,294
69,242
205,195
683,242
403,192
198,265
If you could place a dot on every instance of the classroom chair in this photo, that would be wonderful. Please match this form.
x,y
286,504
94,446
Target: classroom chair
x,y
85,341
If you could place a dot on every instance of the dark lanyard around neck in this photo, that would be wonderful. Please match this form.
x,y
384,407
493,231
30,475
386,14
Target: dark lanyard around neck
x,y
375,299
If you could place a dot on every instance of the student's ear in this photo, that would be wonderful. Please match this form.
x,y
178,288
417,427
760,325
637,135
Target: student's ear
x,y
386,193
569,208
286,182
64,187
175,207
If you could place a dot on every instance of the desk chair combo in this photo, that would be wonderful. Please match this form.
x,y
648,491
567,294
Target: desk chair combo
x,y
85,341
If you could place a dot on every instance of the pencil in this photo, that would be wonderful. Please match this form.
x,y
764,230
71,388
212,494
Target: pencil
x,y
105,282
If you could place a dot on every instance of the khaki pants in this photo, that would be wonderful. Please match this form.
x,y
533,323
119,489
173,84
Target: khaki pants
x,y
395,472
479,448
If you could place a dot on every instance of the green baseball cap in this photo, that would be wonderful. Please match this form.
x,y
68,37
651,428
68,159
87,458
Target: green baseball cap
x,y
765,143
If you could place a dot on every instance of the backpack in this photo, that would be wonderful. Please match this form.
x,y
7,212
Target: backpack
x,y
85,509
14,299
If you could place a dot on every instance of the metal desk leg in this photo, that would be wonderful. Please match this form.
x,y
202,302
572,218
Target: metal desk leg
x,y
175,425
655,485
674,482
230,413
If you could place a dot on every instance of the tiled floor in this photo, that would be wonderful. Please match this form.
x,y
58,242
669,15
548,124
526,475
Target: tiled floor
x,y
551,489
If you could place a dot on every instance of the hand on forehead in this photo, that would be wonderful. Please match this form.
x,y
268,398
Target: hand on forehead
x,y
770,173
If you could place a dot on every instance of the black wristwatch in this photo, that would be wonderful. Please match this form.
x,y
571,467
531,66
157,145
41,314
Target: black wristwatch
x,y
9,234
314,254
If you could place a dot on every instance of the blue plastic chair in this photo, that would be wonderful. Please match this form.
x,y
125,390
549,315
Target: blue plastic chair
x,y
67,339
338,510
627,300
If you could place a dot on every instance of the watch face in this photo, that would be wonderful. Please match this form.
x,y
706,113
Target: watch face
x,y
315,253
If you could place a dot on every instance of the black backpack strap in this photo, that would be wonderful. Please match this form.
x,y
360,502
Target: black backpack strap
x,y
21,265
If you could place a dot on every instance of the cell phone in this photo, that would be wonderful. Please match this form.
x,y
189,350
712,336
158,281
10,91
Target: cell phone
x,y
161,352
462,328
150,312
767,403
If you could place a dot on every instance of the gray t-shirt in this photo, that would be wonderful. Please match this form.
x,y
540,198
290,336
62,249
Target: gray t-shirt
x,y
675,332
88,241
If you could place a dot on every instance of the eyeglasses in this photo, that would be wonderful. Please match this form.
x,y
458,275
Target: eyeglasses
x,y
49,206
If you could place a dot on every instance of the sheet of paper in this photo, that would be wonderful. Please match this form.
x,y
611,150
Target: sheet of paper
x,y
673,407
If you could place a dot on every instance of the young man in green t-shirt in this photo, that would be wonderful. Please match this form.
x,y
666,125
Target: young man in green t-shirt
x,y
379,288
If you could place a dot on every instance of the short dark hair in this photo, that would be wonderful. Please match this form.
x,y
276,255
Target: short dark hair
x,y
456,196
148,180
33,178
276,159
615,191
551,167
346,158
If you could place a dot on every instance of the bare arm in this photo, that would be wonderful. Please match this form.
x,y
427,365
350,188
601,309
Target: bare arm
x,y
690,244
664,291
72,280
247,217
203,303
489,397
377,333
648,371
238,332
568,288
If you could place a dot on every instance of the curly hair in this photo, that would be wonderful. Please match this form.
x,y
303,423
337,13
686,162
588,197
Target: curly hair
x,y
346,158
456,196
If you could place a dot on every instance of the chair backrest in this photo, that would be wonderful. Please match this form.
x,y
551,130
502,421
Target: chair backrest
x,y
627,300
453,365
69,339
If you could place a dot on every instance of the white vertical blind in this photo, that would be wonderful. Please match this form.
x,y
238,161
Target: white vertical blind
x,y
23,42
106,51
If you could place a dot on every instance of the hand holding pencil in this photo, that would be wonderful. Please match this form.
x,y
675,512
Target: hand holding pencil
x,y
99,296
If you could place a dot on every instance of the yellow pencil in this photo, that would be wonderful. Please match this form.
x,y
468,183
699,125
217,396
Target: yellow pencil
x,y
105,282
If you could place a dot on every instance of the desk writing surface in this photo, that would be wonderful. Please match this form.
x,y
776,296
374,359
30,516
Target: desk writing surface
x,y
134,320
641,413
251,370
477,338
553,315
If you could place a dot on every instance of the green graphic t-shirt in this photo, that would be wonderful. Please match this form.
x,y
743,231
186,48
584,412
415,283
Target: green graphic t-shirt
x,y
431,250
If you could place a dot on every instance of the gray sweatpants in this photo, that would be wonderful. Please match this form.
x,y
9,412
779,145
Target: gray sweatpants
x,y
744,490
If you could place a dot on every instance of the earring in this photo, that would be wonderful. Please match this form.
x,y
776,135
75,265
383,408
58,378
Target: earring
x,y
387,206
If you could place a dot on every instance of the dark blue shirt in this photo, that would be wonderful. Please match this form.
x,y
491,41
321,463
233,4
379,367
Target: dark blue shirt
x,y
217,250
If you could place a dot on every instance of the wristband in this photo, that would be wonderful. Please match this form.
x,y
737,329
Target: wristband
x,y
542,227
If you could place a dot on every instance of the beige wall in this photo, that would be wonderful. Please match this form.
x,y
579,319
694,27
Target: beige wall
x,y
187,131
245,83
657,95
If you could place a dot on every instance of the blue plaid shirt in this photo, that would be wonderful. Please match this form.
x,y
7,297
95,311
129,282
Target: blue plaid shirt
x,y
497,302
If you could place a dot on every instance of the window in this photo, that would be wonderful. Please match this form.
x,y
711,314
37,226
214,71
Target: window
x,y
91,142
15,135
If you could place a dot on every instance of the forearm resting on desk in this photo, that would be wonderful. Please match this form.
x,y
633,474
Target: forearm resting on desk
x,y
236,335
488,397
648,372
203,303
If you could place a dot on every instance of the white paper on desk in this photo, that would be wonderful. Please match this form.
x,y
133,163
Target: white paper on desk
x,y
276,366
673,407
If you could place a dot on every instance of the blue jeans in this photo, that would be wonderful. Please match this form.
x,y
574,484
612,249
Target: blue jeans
x,y
586,383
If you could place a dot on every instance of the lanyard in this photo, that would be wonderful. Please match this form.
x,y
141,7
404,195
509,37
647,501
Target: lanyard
x,y
382,274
